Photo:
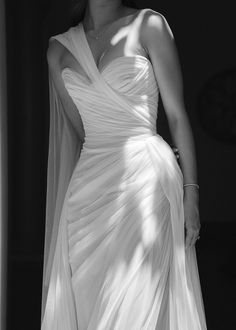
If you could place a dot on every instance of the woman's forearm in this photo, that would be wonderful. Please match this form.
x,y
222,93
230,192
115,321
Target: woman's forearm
x,y
182,135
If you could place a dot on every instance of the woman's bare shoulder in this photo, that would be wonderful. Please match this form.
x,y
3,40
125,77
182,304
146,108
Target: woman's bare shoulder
x,y
153,20
148,12
155,29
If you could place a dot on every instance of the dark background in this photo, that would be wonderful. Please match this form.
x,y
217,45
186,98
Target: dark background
x,y
205,36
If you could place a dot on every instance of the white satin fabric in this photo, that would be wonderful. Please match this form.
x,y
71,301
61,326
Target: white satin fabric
x,y
119,260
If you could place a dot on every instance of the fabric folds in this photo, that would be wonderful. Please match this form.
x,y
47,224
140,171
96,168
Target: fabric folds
x,y
115,256
63,153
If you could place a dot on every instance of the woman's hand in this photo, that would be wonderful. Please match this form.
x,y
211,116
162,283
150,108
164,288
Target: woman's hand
x,y
191,216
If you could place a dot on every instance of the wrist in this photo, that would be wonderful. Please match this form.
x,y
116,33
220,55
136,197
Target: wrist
x,y
191,194
191,191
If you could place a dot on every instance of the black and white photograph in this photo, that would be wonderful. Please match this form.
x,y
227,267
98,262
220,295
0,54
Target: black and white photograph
x,y
118,158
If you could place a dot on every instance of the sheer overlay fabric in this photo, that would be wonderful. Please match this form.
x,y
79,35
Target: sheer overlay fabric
x,y
114,254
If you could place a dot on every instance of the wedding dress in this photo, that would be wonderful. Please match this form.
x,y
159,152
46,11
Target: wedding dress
x,y
114,255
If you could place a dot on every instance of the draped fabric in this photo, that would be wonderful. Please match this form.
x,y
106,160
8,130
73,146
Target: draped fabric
x,y
64,151
117,255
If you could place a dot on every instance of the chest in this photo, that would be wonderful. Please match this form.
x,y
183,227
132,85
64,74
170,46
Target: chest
x,y
119,41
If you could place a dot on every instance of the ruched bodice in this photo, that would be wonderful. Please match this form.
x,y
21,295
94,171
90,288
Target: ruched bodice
x,y
133,79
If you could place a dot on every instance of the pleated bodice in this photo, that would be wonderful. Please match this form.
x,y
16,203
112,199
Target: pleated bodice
x,y
106,118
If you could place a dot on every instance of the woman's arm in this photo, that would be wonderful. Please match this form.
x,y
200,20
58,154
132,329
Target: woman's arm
x,y
54,56
158,39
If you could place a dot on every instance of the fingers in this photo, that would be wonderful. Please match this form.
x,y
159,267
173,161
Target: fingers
x,y
191,238
188,239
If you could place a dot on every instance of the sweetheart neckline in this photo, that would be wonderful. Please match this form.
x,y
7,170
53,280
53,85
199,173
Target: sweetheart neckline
x,y
83,35
111,63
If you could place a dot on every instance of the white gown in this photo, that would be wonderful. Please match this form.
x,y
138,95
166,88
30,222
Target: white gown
x,y
119,261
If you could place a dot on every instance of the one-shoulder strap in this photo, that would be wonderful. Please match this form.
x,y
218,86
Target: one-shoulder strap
x,y
82,54
72,42
65,40
86,60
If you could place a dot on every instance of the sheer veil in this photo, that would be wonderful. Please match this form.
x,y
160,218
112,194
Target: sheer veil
x,y
63,153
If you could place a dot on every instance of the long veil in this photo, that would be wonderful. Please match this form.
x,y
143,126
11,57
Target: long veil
x,y
63,153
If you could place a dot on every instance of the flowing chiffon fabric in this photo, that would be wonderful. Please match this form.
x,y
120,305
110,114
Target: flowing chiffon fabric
x,y
115,257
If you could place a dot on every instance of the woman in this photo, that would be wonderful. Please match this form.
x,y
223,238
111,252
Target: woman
x,y
116,255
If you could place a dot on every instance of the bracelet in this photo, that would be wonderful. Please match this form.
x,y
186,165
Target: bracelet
x,y
191,184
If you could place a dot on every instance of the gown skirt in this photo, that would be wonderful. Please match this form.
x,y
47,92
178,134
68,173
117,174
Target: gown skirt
x,y
120,261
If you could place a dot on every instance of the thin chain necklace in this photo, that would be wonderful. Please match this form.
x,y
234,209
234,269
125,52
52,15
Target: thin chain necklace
x,y
97,35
